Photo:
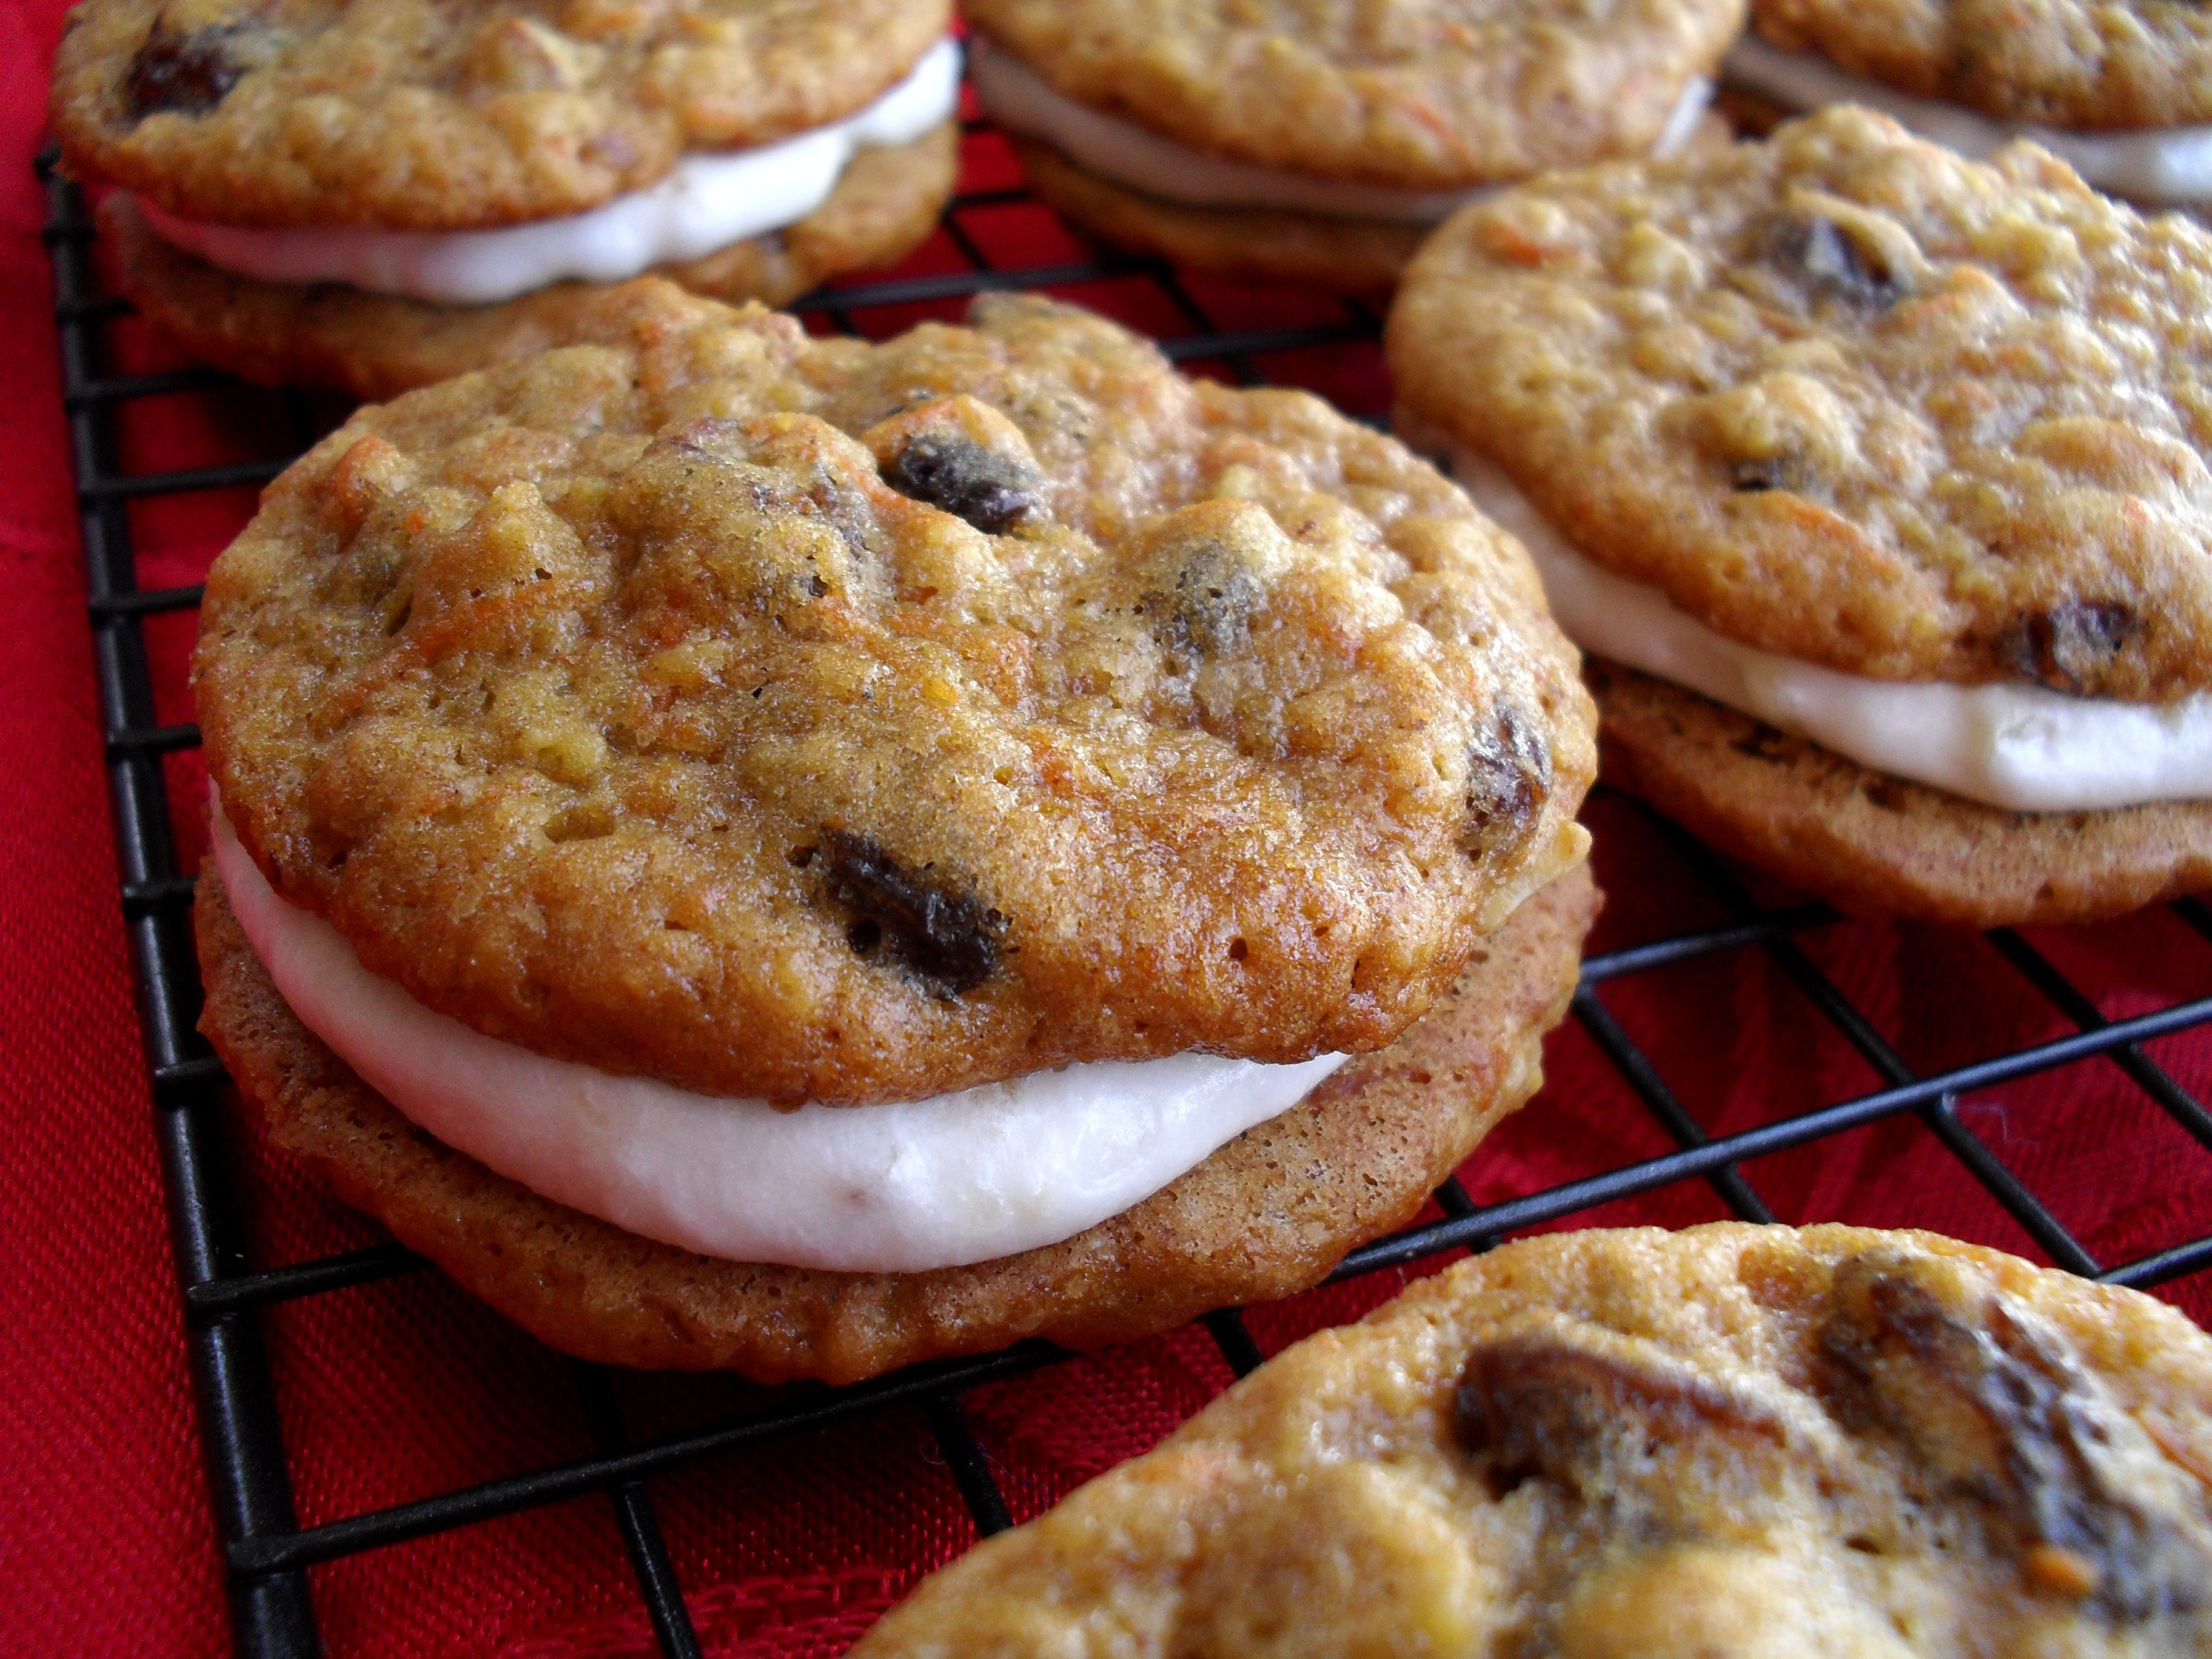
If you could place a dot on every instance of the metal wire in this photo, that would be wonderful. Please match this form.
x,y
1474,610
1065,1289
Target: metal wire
x,y
266,1551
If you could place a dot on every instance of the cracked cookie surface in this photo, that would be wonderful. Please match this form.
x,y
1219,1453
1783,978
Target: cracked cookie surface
x,y
412,115
1750,1441
1412,93
2081,63
814,718
1846,397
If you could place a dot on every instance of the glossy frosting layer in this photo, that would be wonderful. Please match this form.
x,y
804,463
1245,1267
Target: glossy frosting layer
x,y
902,1188
2021,747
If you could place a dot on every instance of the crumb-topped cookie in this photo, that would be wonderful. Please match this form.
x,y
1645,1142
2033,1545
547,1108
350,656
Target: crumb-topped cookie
x,y
1314,142
1741,1440
810,719
406,115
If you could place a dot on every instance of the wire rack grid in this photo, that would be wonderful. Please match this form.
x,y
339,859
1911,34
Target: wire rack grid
x,y
268,1554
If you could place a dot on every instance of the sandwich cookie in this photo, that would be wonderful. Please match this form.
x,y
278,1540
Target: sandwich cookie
x,y
2121,90
382,193
1760,1442
1321,144
1873,478
804,855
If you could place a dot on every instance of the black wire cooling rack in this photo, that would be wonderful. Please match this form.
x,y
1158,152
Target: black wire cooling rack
x,y
267,1552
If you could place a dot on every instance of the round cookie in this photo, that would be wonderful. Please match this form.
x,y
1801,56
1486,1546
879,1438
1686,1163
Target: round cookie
x,y
1879,845
2085,64
1849,399
377,345
1857,421
810,719
1267,1215
1440,96
1756,1442
407,114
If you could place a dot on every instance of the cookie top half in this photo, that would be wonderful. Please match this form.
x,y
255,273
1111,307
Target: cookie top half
x,y
1850,398
2081,63
452,114
813,719
1408,93
1756,1442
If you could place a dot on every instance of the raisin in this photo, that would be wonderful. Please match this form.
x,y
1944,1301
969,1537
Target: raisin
x,y
2070,647
1209,611
1509,775
992,491
947,937
1998,1414
188,73
1549,1404
1832,263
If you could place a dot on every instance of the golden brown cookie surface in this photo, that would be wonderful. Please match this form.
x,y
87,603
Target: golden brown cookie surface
x,y
448,114
626,704
1875,844
1847,398
377,345
2083,64
1267,1215
1741,1440
1411,94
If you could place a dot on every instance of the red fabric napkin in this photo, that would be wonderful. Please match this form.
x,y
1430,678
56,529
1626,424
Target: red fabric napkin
x,y
392,1391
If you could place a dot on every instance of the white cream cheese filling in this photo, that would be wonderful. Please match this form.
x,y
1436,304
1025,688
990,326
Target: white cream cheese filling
x,y
710,200
2021,747
902,1188
1021,100
2160,166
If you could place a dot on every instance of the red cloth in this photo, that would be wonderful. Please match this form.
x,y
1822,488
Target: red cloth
x,y
395,1390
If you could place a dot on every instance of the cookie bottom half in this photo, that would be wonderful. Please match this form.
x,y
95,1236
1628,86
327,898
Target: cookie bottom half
x,y
1877,844
377,345
1268,1214
1351,256
1356,257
